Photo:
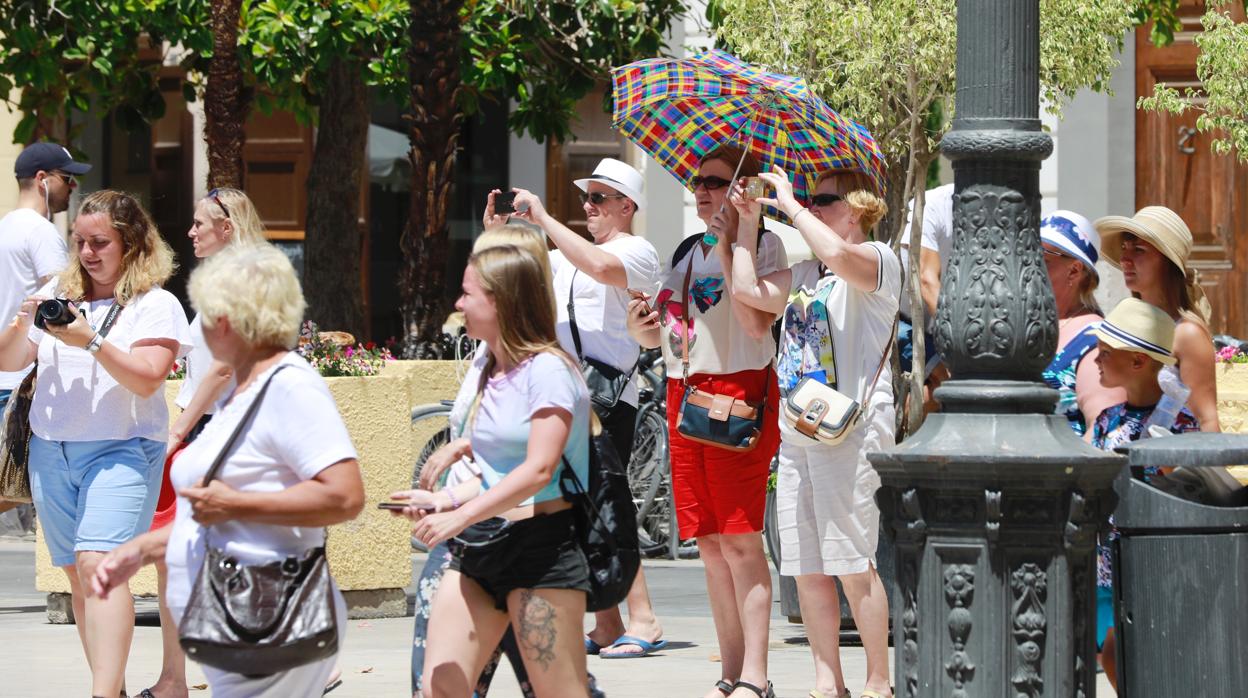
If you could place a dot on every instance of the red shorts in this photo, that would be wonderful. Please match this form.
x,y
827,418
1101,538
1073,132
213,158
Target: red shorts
x,y
717,490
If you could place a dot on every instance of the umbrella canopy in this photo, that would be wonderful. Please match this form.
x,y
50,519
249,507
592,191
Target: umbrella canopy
x,y
680,110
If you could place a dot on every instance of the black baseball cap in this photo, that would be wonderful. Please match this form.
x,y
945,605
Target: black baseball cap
x,y
47,157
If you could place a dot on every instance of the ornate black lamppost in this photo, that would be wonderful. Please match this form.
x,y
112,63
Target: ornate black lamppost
x,y
994,503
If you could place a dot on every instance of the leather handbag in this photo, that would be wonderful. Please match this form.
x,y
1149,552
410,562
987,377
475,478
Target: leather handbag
x,y
714,419
15,431
606,382
15,443
823,413
606,522
259,619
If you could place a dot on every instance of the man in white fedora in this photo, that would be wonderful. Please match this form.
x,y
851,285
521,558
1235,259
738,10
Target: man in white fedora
x,y
592,281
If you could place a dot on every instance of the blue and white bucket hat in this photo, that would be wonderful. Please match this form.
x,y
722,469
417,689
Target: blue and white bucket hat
x,y
1074,235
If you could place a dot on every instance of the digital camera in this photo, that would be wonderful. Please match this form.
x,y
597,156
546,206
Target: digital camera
x,y
54,311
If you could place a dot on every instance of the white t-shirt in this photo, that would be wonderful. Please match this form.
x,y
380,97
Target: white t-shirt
x,y
601,310
77,400
718,345
295,434
937,230
198,361
31,248
838,333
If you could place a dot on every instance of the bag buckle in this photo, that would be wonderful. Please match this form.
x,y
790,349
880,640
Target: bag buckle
x,y
290,566
815,411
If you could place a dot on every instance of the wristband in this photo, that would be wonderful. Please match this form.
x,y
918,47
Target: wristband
x,y
800,211
450,494
95,344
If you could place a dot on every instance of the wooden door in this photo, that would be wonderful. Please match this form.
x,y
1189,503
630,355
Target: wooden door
x,y
1175,168
594,139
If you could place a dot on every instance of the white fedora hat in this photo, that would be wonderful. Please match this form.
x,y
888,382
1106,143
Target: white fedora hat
x,y
620,176
1136,326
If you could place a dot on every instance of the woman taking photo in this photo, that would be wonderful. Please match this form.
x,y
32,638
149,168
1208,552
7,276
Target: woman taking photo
x,y
98,415
839,310
291,473
222,218
1071,248
1153,249
520,565
721,494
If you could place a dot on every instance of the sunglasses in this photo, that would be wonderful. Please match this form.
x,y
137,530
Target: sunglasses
x,y
215,196
1052,253
825,199
597,197
68,179
711,183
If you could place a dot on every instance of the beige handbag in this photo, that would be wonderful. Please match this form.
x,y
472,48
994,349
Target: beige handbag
x,y
823,413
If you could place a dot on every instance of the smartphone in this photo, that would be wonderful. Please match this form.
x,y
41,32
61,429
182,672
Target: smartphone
x,y
643,298
504,202
755,188
399,506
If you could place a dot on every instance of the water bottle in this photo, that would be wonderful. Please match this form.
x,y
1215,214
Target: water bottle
x,y
1173,397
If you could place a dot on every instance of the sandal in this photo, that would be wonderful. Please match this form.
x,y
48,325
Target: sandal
x,y
769,692
875,694
724,687
816,693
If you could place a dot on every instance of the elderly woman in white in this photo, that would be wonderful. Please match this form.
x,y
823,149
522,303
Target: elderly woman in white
x,y
292,472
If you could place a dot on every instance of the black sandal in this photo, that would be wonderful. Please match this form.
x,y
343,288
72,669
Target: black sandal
x,y
768,693
724,687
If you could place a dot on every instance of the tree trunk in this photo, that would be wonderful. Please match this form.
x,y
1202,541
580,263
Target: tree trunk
x,y
433,58
333,244
226,100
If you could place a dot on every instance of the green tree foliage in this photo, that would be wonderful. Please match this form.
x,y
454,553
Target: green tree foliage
x,y
1222,67
89,55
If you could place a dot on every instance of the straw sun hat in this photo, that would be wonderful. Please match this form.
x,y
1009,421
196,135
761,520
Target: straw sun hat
x,y
1134,325
1156,225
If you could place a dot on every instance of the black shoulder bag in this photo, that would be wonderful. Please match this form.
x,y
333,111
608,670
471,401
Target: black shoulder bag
x,y
606,523
264,619
15,432
606,382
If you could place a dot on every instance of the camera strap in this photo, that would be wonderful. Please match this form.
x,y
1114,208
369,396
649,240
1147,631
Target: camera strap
x,y
109,320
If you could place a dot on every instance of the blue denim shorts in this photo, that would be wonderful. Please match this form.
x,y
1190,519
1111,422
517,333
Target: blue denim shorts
x,y
94,495
4,399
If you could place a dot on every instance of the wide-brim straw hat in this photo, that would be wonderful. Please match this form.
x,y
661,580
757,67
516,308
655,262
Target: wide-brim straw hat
x,y
1134,325
1156,225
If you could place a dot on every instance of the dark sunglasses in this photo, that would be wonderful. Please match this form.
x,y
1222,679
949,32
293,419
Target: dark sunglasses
x,y
1052,253
214,195
597,197
825,199
711,183
68,179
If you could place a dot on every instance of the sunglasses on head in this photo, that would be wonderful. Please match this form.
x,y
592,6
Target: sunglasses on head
x,y
597,197
215,196
825,199
710,182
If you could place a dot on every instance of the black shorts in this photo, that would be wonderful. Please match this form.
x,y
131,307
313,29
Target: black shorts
x,y
537,553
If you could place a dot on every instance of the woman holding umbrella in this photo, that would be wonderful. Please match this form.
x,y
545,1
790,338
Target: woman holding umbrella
x,y
726,348
839,310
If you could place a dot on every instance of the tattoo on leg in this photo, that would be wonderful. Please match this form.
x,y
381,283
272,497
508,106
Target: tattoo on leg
x,y
537,628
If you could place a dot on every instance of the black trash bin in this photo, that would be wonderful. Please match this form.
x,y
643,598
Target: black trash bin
x,y
1181,578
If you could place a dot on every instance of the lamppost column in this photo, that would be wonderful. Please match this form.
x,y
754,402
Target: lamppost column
x,y
994,503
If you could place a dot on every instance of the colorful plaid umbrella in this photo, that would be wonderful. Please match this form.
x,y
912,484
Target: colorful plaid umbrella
x,y
680,110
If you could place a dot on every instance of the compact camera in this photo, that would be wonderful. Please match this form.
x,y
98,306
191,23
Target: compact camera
x,y
504,202
755,188
54,311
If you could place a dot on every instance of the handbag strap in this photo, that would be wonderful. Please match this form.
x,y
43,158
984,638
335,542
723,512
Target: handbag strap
x,y
238,429
684,319
576,333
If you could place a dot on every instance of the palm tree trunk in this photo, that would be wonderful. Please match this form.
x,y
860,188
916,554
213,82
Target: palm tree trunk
x,y
433,58
226,101
333,242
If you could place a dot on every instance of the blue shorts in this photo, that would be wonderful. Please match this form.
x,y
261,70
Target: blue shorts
x,y
905,348
94,495
4,399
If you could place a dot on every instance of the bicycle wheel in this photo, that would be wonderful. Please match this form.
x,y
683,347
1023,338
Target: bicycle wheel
x,y
649,479
425,418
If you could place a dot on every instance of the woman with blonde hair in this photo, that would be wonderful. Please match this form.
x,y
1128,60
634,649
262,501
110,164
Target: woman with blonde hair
x,y
839,310
517,563
98,414
1153,249
463,480
291,472
224,217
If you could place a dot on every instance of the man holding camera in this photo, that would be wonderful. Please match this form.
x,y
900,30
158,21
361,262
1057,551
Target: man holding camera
x,y
31,248
593,284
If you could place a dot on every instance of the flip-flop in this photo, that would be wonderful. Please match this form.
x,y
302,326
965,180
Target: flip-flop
x,y
646,647
331,686
592,647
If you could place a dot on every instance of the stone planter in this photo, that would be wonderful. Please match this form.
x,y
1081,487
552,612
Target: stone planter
x,y
370,556
1233,406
